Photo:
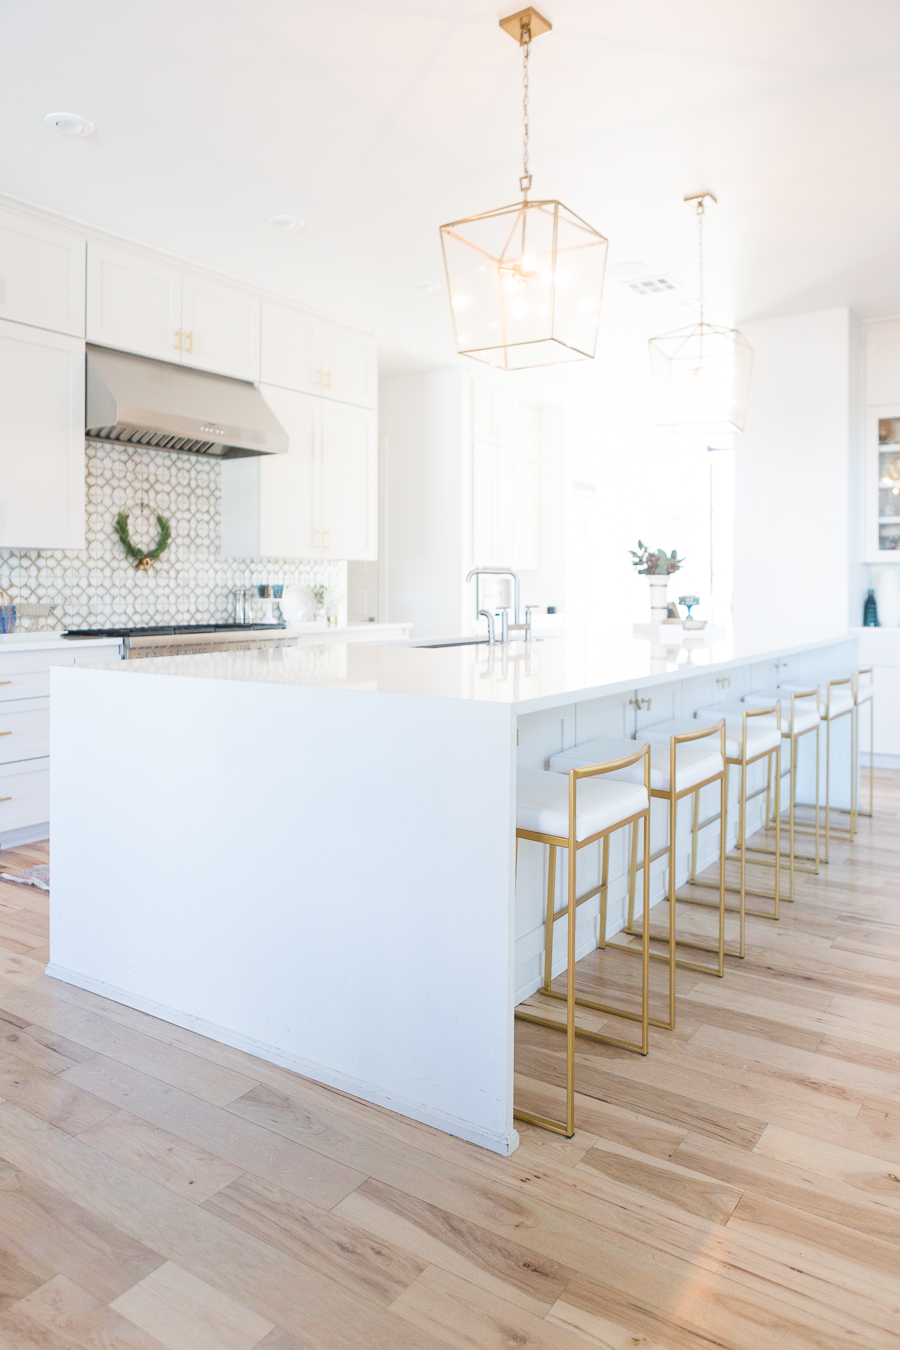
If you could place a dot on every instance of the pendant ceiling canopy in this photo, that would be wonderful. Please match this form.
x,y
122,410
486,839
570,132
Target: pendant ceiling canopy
x,y
525,280
701,374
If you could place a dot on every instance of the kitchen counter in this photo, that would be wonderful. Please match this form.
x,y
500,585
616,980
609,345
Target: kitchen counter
x,y
46,642
317,862
529,677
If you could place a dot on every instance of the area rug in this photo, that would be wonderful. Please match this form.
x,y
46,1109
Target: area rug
x,y
32,876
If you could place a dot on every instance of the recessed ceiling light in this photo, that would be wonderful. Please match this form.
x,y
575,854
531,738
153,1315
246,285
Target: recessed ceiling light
x,y
70,124
286,222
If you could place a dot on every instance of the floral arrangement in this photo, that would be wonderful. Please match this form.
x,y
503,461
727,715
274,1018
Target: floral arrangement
x,y
655,564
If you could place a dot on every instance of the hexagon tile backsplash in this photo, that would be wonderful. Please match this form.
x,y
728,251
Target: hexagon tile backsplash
x,y
98,587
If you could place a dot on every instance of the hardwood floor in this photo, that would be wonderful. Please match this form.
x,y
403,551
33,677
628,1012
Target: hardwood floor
x,y
738,1188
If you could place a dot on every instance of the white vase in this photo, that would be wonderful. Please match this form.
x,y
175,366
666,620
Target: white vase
x,y
659,605
887,594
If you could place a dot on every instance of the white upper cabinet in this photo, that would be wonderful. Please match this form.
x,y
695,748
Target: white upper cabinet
x,y
349,366
133,302
493,413
220,328
318,500
41,275
527,513
290,352
302,352
349,483
41,438
137,302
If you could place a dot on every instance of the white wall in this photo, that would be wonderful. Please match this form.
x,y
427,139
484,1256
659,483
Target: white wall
x,y
791,536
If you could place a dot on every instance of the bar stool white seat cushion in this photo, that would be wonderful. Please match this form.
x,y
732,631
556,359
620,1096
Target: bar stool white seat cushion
x,y
694,765
542,803
759,740
805,715
864,692
841,698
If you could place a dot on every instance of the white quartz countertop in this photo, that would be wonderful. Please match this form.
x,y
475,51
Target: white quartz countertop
x,y
545,673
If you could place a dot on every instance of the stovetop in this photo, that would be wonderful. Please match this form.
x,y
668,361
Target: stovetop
x,y
173,630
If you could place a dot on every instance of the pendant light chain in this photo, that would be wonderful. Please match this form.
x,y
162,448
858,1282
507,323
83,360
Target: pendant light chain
x,y
525,41
701,211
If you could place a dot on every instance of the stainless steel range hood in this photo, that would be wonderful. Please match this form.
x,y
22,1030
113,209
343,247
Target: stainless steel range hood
x,y
136,401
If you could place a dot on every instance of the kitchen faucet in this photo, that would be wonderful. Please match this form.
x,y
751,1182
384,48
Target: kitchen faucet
x,y
516,625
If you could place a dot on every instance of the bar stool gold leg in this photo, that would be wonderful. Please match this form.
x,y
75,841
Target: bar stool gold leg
x,y
604,883
548,926
570,970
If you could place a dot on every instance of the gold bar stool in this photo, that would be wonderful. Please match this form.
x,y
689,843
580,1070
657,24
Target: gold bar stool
x,y
799,720
864,694
747,742
675,772
571,815
835,701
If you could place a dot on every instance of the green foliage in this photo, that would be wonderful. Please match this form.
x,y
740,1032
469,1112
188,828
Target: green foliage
x,y
141,559
656,563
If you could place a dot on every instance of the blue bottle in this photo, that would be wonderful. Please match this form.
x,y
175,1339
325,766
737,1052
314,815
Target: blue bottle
x,y
870,612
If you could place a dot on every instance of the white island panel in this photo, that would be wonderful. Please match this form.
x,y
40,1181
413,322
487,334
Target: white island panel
x,y
322,877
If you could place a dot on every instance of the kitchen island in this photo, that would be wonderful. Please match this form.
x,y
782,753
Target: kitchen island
x,y
309,853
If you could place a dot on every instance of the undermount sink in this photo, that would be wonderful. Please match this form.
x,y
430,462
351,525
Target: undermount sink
x,y
453,642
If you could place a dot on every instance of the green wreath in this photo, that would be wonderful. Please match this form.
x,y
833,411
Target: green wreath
x,y
143,560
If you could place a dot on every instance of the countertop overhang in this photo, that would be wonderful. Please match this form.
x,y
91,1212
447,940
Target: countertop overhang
x,y
528,677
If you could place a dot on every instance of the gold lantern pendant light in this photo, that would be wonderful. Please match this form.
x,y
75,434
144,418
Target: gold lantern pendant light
x,y
701,375
525,280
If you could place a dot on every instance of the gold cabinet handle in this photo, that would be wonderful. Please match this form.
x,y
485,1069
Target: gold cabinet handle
x,y
190,341
328,532
327,374
178,339
5,799
5,681
320,378
5,733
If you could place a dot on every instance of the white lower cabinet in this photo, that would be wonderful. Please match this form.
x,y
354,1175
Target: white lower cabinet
x,y
24,794
24,729
318,500
41,438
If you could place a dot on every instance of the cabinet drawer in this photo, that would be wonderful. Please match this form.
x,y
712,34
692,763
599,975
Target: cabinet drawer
x,y
28,684
24,794
24,729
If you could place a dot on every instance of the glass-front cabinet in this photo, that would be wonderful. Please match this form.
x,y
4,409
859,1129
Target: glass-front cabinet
x,y
888,484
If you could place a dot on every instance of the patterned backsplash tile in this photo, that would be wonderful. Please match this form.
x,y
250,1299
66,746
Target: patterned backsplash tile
x,y
98,586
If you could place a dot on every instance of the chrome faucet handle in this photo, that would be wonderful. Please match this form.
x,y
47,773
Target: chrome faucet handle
x,y
528,609
486,614
503,612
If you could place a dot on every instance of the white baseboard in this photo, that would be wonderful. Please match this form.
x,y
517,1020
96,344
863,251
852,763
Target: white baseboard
x,y
881,761
370,1092
25,834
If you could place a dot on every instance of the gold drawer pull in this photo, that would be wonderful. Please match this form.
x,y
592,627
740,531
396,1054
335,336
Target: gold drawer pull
x,y
5,799
5,733
5,681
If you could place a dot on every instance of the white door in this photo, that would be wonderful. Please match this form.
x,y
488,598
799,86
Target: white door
x,y
349,366
484,470
41,438
291,348
349,483
41,275
133,302
527,512
493,413
288,517
220,328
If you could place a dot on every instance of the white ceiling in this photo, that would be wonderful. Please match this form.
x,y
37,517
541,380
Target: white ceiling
x,y
376,121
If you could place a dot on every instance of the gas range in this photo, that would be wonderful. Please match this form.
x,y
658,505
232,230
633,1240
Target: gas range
x,y
188,639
